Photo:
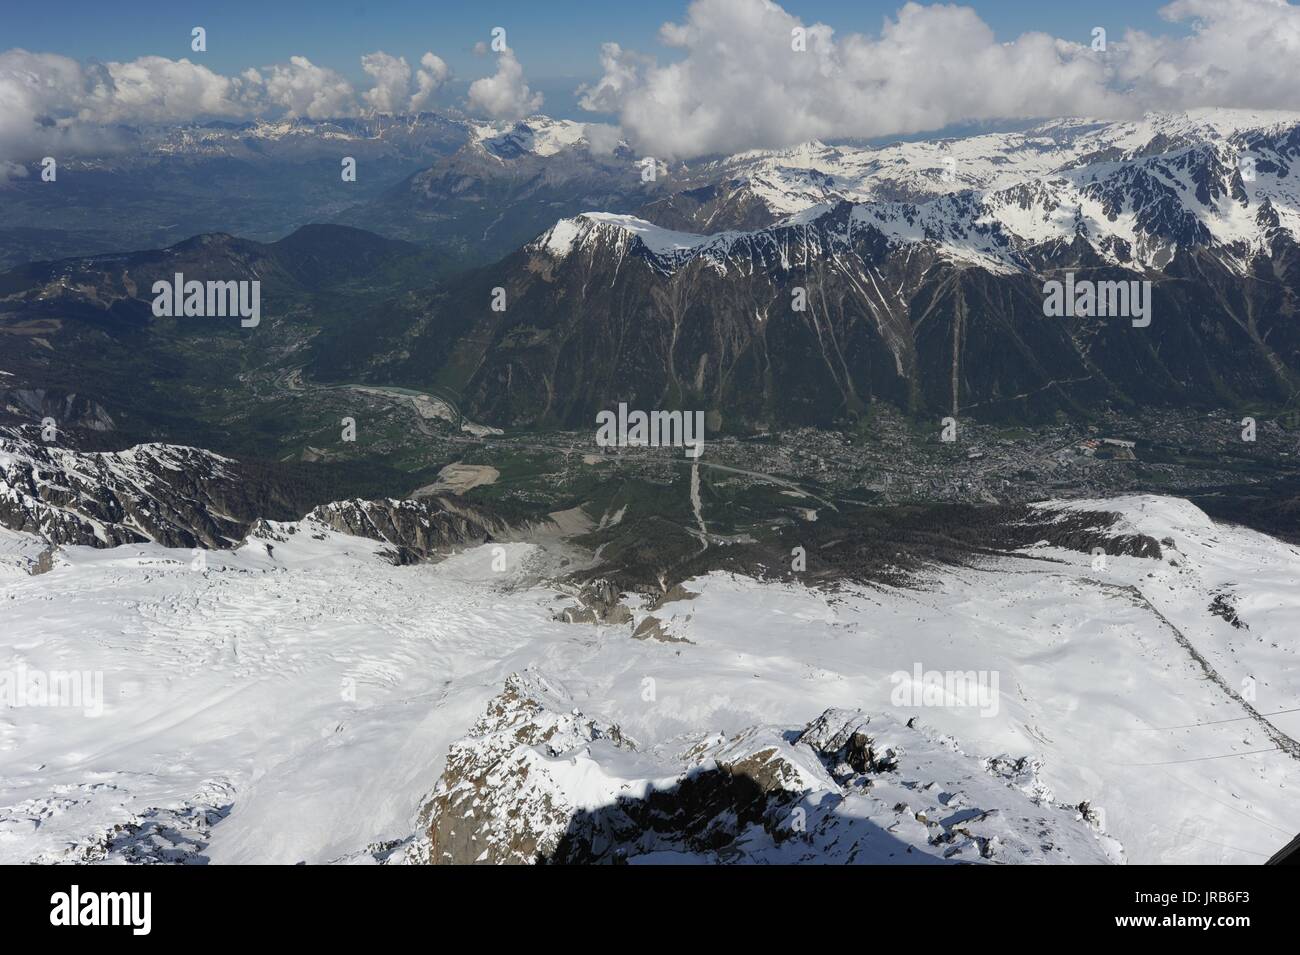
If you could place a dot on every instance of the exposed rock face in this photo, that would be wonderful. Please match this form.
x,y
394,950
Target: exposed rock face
x,y
472,816
1090,531
44,561
175,495
1289,854
599,601
652,628
68,408
186,497
673,594
537,781
415,529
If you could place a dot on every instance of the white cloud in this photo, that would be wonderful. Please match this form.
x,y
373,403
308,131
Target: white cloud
x,y
734,83
392,90
739,84
154,89
623,69
429,79
54,105
34,87
392,76
505,94
1243,53
602,139
11,170
301,88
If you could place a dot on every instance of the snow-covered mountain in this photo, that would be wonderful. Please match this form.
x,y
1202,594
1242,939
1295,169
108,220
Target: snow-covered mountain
x,y
1137,192
302,698
534,781
536,136
936,304
262,142
184,497
191,498
781,183
507,183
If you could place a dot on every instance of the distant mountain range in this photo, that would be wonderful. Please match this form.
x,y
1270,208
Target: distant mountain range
x,y
933,303
768,288
507,183
258,180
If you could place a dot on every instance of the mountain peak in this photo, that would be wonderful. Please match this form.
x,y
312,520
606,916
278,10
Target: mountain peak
x,y
537,135
570,234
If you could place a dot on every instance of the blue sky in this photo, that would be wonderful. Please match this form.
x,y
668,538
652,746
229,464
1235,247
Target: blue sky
x,y
554,39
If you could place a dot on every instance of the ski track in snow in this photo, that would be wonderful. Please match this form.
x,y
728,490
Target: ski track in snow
x,y
297,704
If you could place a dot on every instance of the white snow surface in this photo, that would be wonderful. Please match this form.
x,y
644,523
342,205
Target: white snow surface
x,y
982,199
540,135
296,700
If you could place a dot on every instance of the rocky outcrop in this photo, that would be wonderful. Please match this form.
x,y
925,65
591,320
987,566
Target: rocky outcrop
x,y
652,628
536,781
416,529
495,802
175,495
599,601
186,497
70,409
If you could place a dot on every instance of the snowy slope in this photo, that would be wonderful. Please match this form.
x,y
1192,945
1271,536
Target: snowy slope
x,y
1136,192
538,135
170,493
790,180
536,779
297,699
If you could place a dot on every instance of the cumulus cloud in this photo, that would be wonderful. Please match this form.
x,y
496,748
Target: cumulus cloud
x,y
740,83
34,88
52,104
392,90
622,70
302,89
154,89
1243,53
55,105
735,81
392,75
432,75
505,94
